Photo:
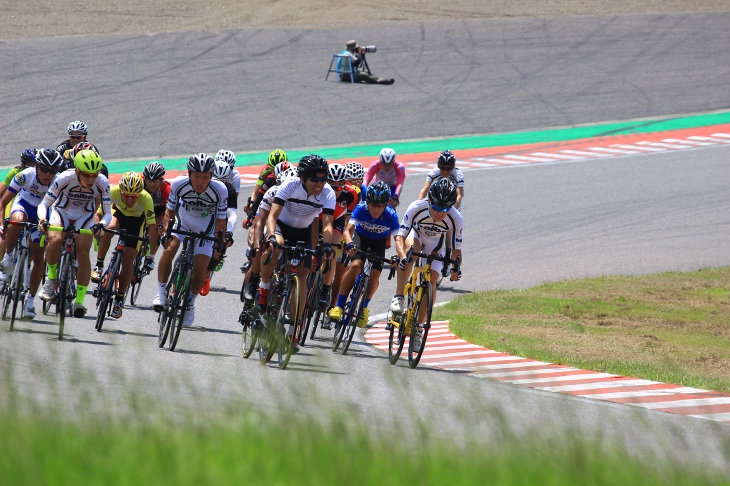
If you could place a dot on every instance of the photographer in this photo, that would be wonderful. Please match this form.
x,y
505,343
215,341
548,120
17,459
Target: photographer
x,y
356,54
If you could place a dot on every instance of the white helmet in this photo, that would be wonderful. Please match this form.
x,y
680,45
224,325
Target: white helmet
x,y
222,170
287,174
387,156
227,156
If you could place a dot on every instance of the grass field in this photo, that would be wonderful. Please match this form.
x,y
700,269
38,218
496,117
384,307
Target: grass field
x,y
671,327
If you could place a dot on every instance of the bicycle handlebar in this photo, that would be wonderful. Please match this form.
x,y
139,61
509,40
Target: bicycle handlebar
x,y
122,232
430,257
24,224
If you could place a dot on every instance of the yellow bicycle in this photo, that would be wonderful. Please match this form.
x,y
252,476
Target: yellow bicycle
x,y
418,293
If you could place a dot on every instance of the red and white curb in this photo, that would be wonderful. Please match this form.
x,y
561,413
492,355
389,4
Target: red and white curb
x,y
446,351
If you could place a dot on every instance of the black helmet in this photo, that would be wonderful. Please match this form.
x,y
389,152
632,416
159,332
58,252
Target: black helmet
x,y
442,193
153,170
201,163
311,164
47,157
378,193
446,160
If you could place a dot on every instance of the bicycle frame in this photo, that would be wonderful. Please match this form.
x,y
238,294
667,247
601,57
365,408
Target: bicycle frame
x,y
18,283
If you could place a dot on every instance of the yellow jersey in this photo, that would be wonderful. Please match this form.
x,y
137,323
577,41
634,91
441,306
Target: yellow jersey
x,y
143,207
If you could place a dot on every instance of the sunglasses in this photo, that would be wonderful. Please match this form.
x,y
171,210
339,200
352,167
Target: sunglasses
x,y
317,179
131,196
47,170
76,136
439,209
376,205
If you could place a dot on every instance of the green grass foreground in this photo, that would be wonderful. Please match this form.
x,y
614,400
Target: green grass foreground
x,y
245,451
670,327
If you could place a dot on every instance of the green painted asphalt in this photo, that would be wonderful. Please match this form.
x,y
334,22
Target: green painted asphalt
x,y
649,125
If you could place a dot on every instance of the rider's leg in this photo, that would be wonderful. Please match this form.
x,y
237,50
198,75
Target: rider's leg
x,y
83,245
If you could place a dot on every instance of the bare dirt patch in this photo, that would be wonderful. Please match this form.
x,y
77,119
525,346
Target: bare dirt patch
x,y
50,18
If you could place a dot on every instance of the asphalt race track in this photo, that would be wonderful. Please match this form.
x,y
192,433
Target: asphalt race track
x,y
252,90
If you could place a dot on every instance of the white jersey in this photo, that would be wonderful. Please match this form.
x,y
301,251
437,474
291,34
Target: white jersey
x,y
204,208
234,179
456,175
418,219
69,198
28,188
268,199
299,208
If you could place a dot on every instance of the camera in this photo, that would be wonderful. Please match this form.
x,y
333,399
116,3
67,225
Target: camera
x,y
369,49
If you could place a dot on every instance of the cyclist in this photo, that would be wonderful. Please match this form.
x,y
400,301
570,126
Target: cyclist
x,y
27,159
445,167
265,176
31,186
425,226
256,234
294,217
221,173
157,187
390,171
77,132
355,174
234,178
197,204
68,156
371,224
73,199
347,200
132,208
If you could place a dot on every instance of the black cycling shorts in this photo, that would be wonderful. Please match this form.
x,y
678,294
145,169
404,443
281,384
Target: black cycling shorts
x,y
375,246
133,225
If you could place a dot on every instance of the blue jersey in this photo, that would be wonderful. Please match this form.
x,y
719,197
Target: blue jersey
x,y
374,228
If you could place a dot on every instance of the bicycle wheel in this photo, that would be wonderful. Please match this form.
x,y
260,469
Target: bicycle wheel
x,y
17,283
417,342
357,304
250,333
310,304
163,317
182,294
268,341
136,280
107,293
7,299
396,339
61,297
289,305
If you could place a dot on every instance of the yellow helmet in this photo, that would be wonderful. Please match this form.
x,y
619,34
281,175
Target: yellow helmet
x,y
131,183
88,161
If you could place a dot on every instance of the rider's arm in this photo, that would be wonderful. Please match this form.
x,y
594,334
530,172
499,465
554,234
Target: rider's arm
x,y
459,196
370,174
106,202
276,209
400,170
349,232
326,227
424,189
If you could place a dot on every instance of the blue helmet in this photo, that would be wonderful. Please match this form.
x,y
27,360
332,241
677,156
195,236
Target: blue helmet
x,y
378,193
28,156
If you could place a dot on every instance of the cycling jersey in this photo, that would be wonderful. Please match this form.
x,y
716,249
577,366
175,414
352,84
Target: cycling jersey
x,y
161,195
394,177
13,172
266,172
234,179
231,213
418,219
456,175
72,201
374,228
268,200
347,200
266,184
299,209
27,186
142,207
63,146
198,210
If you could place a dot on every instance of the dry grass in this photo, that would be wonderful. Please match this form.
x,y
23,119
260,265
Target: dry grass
x,y
672,327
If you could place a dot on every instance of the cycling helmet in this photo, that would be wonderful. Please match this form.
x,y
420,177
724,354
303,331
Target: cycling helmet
x,y
28,156
387,156
227,156
336,173
83,146
131,183
355,170
78,126
446,160
201,163
287,174
442,193
153,170
281,167
222,170
277,156
47,157
87,161
311,164
378,193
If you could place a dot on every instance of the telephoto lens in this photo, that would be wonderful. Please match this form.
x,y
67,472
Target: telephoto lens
x,y
369,49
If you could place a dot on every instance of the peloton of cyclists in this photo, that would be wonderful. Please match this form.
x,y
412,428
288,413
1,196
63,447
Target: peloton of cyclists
x,y
197,203
73,199
30,186
132,208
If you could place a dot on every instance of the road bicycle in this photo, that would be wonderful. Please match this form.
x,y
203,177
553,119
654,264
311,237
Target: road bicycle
x,y
345,327
276,326
314,310
108,285
418,294
16,287
65,291
178,288
140,270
